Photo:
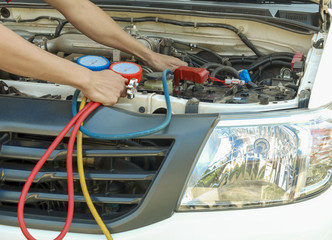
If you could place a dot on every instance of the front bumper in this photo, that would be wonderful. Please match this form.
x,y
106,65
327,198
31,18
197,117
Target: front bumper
x,y
307,220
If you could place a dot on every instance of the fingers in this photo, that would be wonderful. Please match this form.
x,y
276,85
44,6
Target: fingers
x,y
177,64
124,93
161,62
106,87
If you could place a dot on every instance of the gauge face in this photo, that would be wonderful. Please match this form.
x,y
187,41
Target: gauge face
x,y
126,68
94,62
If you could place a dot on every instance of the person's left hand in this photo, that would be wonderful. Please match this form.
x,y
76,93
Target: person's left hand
x,y
160,62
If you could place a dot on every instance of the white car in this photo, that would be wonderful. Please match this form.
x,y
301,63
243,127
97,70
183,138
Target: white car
x,y
247,154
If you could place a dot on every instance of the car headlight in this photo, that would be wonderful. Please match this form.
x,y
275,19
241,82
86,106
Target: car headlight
x,y
254,162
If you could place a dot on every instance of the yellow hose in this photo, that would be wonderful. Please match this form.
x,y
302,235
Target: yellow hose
x,y
83,182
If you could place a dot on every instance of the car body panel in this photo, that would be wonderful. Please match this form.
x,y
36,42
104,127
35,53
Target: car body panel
x,y
321,92
307,220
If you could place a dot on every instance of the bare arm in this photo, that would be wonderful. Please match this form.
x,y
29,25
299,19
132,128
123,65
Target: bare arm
x,y
96,24
23,58
106,87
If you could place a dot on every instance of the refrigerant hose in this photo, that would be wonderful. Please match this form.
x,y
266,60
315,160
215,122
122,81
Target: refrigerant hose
x,y
109,137
76,121
34,172
85,191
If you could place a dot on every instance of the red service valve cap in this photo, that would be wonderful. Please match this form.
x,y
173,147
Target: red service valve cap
x,y
197,75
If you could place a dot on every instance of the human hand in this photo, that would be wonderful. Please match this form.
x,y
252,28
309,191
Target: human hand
x,y
105,87
160,62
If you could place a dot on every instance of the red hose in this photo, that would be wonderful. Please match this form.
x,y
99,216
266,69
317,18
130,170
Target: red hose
x,y
36,169
71,144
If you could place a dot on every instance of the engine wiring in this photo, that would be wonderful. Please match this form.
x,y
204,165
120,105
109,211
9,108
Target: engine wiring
x,y
224,66
256,75
199,47
63,22
218,80
255,64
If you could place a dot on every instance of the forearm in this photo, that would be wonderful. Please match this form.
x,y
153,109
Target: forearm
x,y
23,58
96,24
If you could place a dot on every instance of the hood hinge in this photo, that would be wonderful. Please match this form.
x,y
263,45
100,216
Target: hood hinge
x,y
324,15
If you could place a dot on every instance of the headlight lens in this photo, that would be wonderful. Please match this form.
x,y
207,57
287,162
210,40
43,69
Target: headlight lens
x,y
260,162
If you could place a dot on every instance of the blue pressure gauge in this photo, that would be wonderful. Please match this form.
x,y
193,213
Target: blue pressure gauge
x,y
94,63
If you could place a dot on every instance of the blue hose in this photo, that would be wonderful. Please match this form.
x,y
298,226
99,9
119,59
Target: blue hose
x,y
134,134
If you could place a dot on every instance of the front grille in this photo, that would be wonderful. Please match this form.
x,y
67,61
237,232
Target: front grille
x,y
119,175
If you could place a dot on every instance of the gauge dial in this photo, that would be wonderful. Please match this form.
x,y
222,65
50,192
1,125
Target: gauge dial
x,y
94,63
128,70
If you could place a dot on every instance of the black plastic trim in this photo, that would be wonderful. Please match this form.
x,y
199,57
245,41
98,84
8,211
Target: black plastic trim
x,y
35,153
13,196
15,175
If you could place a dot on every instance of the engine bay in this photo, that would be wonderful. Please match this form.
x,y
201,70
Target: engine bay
x,y
233,65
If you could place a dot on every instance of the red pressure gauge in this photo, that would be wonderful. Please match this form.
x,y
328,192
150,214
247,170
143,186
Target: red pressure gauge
x,y
128,70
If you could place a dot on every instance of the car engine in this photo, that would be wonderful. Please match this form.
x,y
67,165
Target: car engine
x,y
228,65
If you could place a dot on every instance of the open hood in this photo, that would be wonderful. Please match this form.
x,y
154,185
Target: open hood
x,y
310,12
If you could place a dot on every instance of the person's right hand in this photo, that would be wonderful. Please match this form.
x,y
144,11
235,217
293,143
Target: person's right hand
x,y
105,87
160,62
